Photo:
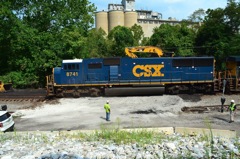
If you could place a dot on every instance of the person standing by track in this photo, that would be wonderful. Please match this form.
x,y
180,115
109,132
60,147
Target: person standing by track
x,y
108,110
232,108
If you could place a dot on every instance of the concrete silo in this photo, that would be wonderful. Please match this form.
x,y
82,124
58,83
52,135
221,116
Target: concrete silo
x,y
101,20
130,18
115,18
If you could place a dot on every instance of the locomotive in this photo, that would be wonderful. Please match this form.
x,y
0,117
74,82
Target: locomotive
x,y
140,76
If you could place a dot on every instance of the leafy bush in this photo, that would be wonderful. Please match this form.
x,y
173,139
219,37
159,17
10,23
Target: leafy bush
x,y
20,80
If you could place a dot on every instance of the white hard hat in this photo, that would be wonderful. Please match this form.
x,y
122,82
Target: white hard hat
x,y
107,101
232,101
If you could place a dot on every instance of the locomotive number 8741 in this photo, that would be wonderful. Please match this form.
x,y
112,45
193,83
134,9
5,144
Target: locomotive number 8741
x,y
132,76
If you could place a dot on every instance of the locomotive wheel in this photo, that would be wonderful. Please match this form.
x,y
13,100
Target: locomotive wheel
x,y
76,94
192,90
209,91
175,91
94,92
59,93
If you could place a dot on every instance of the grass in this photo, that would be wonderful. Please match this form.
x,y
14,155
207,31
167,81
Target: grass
x,y
123,137
117,136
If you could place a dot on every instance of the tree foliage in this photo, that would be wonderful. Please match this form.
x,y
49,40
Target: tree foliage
x,y
138,34
219,35
96,43
178,39
45,15
36,35
120,37
197,16
232,15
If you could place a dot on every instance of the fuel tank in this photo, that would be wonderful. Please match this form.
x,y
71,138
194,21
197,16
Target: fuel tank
x,y
134,91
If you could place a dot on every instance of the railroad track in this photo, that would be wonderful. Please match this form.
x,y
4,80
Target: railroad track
x,y
205,109
23,95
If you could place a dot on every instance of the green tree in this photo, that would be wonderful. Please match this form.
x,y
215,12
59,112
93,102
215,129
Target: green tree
x,y
216,37
197,16
232,15
96,43
37,35
138,34
178,39
120,37
45,15
8,23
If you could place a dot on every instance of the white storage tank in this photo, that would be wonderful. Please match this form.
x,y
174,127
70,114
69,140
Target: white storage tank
x,y
101,20
115,18
130,18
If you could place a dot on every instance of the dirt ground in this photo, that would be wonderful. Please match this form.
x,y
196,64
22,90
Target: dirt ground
x,y
126,112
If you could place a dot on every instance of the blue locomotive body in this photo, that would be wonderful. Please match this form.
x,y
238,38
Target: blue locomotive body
x,y
170,73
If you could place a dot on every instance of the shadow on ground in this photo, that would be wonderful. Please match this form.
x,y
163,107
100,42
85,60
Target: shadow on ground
x,y
191,97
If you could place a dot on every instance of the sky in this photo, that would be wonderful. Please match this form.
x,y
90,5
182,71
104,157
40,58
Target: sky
x,y
179,9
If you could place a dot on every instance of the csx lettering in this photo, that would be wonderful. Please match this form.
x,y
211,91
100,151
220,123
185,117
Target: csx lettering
x,y
147,70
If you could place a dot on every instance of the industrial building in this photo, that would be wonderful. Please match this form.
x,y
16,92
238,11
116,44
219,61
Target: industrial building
x,y
124,14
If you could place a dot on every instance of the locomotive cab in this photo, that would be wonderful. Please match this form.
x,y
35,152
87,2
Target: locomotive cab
x,y
68,75
70,72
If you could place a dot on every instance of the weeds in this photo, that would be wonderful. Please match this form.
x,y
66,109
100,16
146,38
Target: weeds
x,y
135,136
209,138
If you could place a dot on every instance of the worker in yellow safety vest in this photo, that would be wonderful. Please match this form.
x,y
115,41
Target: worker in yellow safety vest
x,y
232,108
107,109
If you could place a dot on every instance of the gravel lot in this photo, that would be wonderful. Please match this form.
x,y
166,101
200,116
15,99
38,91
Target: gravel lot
x,y
126,112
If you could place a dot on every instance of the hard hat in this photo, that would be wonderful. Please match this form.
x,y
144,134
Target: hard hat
x,y
232,101
107,101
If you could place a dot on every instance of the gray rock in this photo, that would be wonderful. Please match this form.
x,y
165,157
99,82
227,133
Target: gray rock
x,y
55,155
6,157
189,147
149,148
159,154
148,156
112,148
120,151
63,154
170,146
193,155
134,146
28,157
45,156
236,151
139,156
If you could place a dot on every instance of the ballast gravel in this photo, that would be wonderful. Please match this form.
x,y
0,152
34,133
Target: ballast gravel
x,y
40,145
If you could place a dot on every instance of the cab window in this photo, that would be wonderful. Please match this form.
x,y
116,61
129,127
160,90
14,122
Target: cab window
x,y
71,66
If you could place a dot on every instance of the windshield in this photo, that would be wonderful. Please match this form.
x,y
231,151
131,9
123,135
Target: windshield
x,y
4,116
